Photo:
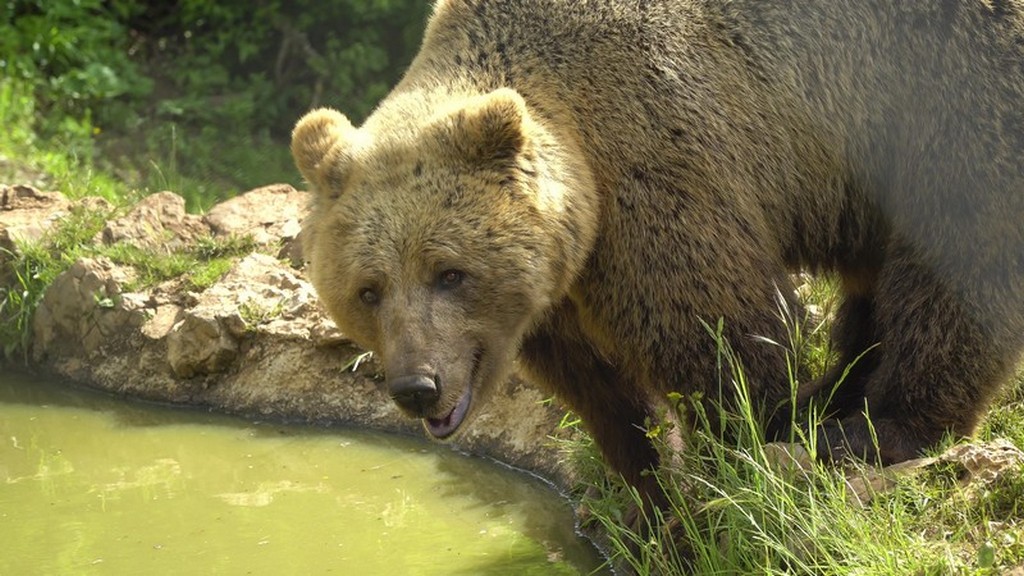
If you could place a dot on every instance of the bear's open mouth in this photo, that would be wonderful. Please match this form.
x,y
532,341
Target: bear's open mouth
x,y
446,426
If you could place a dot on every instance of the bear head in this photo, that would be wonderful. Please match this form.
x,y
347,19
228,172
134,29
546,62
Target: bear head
x,y
439,239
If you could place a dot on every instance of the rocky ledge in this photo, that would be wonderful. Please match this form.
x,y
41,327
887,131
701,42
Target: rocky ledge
x,y
254,343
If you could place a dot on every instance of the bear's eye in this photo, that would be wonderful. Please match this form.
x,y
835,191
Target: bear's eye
x,y
369,296
451,278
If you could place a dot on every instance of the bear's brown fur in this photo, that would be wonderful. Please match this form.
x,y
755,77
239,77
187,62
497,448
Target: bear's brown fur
x,y
580,184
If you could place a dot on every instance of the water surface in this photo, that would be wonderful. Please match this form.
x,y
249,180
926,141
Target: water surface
x,y
91,484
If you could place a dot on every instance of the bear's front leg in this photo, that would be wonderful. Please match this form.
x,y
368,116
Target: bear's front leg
x,y
614,410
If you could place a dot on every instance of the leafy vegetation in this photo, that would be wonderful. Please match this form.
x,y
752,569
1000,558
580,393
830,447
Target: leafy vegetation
x,y
105,96
64,160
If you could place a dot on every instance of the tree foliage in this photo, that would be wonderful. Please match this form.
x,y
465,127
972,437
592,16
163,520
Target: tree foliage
x,y
191,95
261,62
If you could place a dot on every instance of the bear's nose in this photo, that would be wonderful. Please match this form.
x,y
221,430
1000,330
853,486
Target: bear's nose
x,y
414,393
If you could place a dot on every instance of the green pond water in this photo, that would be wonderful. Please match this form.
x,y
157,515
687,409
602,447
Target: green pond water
x,y
91,484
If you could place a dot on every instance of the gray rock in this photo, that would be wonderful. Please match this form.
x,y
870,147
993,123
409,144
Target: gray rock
x,y
83,311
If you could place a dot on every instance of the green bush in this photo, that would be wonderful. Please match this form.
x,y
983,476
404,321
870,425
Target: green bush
x,y
76,53
193,96
271,61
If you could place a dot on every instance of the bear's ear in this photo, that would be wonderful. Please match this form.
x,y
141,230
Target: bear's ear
x,y
490,130
320,146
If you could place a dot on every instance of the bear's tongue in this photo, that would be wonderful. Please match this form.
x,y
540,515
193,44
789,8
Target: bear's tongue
x,y
444,427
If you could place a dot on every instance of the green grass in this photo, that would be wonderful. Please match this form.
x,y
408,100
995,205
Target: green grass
x,y
64,161
1006,417
254,313
738,509
79,159
197,269
32,270
204,165
18,302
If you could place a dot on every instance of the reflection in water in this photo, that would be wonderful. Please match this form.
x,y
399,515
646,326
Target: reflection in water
x,y
91,484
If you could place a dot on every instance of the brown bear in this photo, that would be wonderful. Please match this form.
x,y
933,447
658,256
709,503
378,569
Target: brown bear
x,y
580,185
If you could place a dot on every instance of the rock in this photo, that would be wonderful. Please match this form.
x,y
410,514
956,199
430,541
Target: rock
x,y
200,345
25,215
270,214
158,221
257,290
291,251
978,465
83,310
864,483
986,463
31,202
161,321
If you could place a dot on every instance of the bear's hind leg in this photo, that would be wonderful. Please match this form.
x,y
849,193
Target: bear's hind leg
x,y
939,361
